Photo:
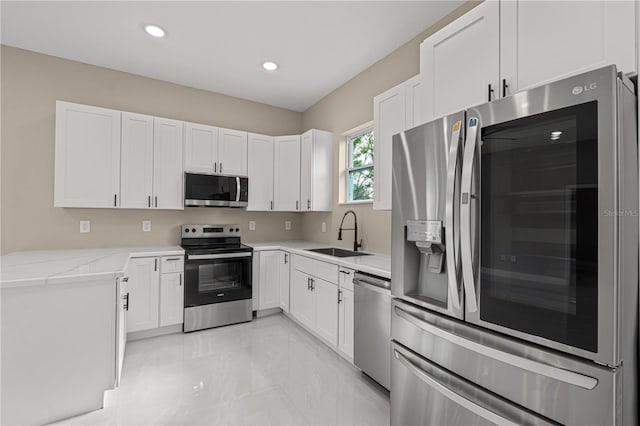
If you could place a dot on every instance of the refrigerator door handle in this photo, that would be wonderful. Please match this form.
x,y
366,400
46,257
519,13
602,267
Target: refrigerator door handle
x,y
452,245
452,395
562,375
468,272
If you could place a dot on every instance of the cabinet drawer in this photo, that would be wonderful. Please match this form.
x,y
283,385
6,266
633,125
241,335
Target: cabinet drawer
x,y
304,264
327,271
345,275
171,264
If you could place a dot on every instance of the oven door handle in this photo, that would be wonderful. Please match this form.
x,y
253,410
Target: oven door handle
x,y
217,256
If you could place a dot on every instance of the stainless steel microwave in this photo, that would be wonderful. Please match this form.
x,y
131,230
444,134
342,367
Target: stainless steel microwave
x,y
202,190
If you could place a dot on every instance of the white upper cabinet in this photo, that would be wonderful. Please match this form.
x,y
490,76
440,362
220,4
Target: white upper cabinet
x,y
542,41
167,164
87,156
136,172
388,119
460,64
200,148
316,171
232,152
260,167
286,182
414,98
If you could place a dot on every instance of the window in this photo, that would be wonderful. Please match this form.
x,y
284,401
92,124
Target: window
x,y
360,165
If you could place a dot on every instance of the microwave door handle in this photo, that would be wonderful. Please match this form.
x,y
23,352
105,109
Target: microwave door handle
x,y
237,189
466,197
452,245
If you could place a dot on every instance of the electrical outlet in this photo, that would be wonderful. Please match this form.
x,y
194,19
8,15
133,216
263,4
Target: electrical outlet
x,y
287,225
324,226
146,226
85,226
252,225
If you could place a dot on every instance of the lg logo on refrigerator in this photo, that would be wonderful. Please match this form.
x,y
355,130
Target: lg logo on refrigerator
x,y
579,89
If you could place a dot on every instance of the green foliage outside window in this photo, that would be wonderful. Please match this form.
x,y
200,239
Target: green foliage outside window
x,y
360,167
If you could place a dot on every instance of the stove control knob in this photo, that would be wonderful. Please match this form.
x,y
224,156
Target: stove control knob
x,y
237,229
193,229
230,229
186,230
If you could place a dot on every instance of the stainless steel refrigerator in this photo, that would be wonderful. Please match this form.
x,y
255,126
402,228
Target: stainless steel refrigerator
x,y
515,260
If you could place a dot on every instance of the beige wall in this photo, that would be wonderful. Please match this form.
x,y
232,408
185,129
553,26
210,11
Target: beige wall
x,y
30,85
350,106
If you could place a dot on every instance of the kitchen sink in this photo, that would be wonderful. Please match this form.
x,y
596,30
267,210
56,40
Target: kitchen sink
x,y
337,252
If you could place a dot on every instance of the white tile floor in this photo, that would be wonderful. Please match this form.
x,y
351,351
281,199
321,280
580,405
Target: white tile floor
x,y
267,372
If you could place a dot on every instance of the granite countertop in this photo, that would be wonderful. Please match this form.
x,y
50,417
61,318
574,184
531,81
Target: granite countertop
x,y
376,264
48,267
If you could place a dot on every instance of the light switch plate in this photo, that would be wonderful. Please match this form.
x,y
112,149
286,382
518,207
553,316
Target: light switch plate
x,y
324,226
252,225
287,225
146,226
85,226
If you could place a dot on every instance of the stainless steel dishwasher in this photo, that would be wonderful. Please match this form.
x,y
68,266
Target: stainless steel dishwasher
x,y
372,326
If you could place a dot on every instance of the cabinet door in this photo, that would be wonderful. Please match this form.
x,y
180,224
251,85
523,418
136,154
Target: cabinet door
x,y
87,156
260,170
167,164
326,310
232,152
414,93
200,148
345,323
269,279
575,37
136,183
388,119
302,299
144,289
461,63
286,189
285,275
171,299
306,170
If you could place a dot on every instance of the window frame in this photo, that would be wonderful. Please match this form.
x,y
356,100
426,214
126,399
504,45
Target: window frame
x,y
349,138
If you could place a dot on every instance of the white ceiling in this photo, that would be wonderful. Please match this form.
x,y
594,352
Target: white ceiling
x,y
220,45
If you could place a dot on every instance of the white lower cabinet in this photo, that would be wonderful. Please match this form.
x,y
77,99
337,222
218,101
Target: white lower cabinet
x,y
285,273
302,302
345,323
171,299
144,291
156,293
269,279
325,296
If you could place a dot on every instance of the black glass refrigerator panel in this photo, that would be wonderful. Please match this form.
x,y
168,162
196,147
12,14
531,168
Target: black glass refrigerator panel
x,y
539,225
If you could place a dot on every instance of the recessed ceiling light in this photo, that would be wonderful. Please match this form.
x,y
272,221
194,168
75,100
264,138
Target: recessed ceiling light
x,y
269,65
154,30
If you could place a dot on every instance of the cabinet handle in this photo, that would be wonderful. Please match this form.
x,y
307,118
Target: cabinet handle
x,y
286,258
309,284
180,280
115,200
313,284
489,92
504,87
156,197
221,167
155,264
271,205
125,279
149,200
339,297
215,167
342,271
172,259
126,302
297,204
308,204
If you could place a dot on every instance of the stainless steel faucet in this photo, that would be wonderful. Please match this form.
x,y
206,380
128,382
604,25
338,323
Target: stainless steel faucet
x,y
356,244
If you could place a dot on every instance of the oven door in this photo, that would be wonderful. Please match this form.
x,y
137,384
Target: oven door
x,y
219,277
544,177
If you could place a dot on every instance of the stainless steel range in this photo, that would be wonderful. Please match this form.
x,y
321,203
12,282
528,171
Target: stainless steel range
x,y
218,271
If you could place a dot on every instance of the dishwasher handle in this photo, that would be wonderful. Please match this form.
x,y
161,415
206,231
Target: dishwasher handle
x,y
372,283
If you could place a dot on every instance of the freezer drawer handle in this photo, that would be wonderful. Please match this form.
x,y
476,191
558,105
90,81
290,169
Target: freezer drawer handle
x,y
454,396
554,373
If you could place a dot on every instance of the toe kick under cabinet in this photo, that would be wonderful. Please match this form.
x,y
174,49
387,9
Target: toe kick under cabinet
x,y
156,292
